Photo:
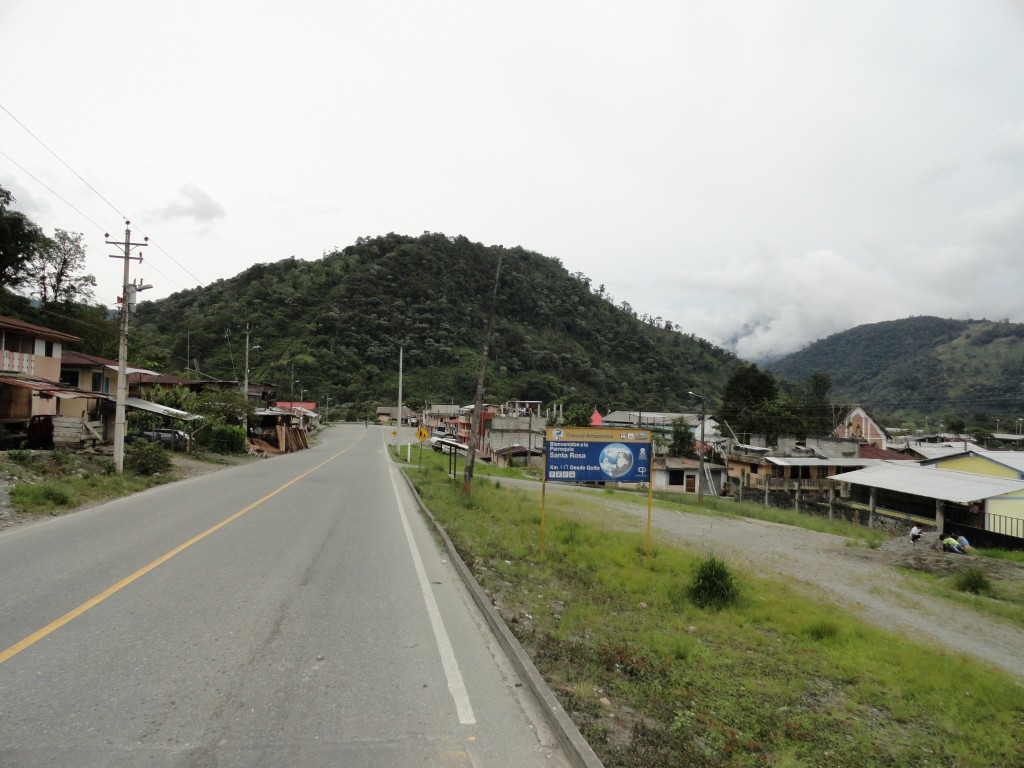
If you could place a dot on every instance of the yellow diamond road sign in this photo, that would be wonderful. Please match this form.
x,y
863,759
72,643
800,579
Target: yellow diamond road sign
x,y
422,434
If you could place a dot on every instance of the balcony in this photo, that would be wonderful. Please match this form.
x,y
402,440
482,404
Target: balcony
x,y
18,362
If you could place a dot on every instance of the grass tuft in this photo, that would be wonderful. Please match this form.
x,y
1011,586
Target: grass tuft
x,y
973,580
713,584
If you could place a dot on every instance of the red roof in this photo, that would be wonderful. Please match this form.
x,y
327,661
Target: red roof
x,y
35,330
165,379
871,452
596,420
74,357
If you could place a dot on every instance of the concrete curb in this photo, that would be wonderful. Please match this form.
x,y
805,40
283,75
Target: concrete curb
x,y
572,741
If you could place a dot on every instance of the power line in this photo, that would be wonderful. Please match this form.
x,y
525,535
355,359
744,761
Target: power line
x,y
96,191
44,146
51,190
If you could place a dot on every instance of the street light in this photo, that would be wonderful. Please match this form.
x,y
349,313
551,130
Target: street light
x,y
700,454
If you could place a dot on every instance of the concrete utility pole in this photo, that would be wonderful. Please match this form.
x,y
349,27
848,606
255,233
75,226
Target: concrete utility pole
x,y
245,385
401,357
700,455
128,294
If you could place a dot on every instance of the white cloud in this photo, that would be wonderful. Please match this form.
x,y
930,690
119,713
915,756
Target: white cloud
x,y
193,203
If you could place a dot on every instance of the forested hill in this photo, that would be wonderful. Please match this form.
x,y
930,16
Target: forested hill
x,y
921,365
336,324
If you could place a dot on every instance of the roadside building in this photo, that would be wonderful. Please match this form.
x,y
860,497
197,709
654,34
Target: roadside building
x,y
32,394
988,508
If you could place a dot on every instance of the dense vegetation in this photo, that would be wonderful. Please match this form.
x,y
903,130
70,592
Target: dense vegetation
x,y
334,327
968,371
331,329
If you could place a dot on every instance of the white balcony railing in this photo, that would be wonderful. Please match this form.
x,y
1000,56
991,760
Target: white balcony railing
x,y
17,362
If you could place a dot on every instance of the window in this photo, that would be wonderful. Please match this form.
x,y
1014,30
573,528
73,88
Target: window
x,y
69,377
48,349
97,381
14,342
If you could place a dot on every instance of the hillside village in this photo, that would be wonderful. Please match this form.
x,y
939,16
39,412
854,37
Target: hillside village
x,y
53,396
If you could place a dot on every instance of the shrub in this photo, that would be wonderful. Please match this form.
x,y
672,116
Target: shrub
x,y
40,496
228,439
823,630
20,455
713,584
145,458
972,580
64,458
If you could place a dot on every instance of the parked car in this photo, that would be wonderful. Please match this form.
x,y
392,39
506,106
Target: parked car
x,y
174,439
40,432
441,444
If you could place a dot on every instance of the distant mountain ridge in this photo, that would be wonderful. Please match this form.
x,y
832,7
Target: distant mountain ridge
x,y
920,365
334,326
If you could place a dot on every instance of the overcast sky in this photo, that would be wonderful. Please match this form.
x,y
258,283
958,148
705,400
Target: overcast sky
x,y
762,174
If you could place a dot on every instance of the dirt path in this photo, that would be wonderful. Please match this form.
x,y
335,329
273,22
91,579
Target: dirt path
x,y
859,580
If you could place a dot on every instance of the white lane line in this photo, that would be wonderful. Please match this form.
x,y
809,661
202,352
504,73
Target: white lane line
x,y
451,667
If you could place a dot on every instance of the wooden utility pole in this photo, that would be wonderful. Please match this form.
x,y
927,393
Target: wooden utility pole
x,y
128,294
474,430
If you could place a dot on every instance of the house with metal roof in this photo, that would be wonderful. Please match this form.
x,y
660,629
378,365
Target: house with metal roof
x,y
30,384
683,475
794,465
985,506
983,462
661,422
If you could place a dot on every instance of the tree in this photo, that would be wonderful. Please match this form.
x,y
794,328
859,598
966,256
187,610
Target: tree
x,y
770,418
748,387
812,408
55,269
577,415
19,239
682,439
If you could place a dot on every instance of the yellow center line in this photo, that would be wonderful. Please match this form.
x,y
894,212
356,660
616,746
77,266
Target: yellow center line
x,y
71,615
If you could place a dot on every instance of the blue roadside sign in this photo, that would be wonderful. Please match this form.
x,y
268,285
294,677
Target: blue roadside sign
x,y
598,454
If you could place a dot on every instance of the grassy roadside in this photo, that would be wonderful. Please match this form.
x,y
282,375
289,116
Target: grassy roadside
x,y
973,590
53,482
653,679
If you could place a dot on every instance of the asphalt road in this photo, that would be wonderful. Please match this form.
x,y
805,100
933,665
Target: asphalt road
x,y
293,611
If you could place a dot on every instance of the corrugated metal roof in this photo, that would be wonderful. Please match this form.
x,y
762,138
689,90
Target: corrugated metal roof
x,y
163,410
932,483
941,450
786,461
1011,459
47,387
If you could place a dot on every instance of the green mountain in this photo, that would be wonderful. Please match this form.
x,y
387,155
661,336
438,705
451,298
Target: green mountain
x,y
968,369
334,327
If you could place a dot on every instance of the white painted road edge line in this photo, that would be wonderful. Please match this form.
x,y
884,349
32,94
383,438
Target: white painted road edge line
x,y
451,667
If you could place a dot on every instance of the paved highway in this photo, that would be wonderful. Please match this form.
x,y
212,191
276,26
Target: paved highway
x,y
293,611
